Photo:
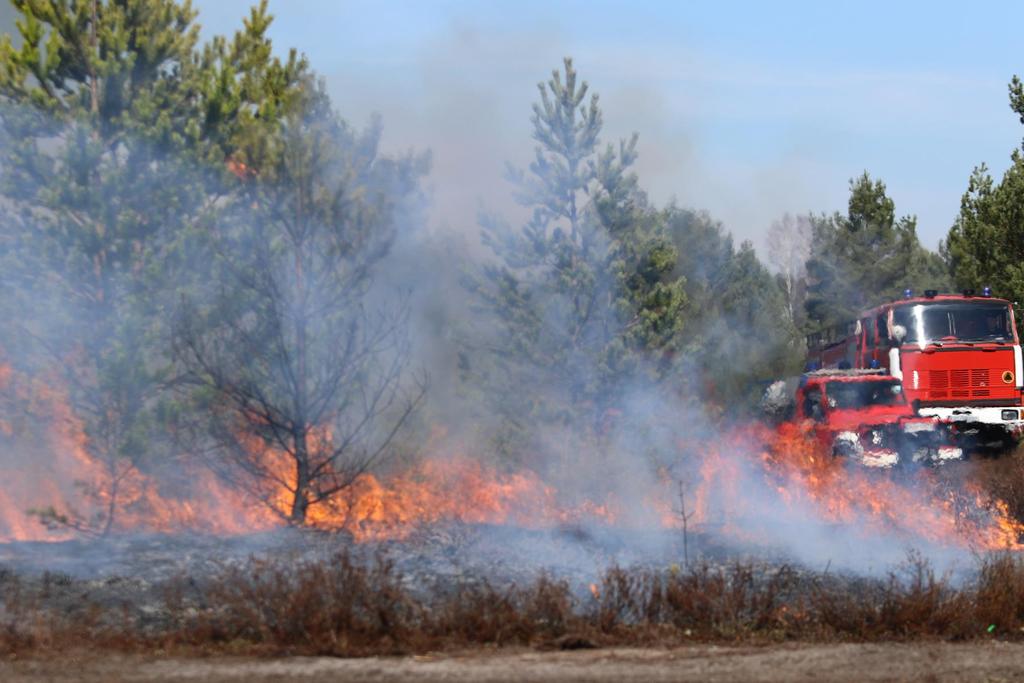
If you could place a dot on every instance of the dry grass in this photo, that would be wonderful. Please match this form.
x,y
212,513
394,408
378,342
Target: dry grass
x,y
1002,478
344,608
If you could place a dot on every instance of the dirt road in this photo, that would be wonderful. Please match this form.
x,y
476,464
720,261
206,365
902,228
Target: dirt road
x,y
875,662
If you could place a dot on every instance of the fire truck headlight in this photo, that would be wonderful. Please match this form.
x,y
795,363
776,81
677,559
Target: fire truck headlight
x,y
917,427
1010,414
1008,377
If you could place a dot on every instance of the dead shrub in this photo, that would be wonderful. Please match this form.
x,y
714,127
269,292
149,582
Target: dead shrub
x,y
541,612
27,625
550,608
346,607
479,615
999,595
1003,479
335,607
730,601
621,599
910,602
704,601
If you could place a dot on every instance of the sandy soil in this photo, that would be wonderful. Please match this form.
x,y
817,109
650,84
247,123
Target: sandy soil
x,y
991,662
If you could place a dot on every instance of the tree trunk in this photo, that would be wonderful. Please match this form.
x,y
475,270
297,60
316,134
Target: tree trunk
x,y
302,473
94,86
115,484
300,501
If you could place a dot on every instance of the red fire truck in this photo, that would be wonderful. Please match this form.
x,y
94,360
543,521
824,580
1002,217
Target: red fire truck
x,y
863,415
958,357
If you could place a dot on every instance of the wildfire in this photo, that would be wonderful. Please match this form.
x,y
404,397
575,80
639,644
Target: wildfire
x,y
73,492
458,490
52,488
52,477
804,477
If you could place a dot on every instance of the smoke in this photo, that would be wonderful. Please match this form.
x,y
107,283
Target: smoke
x,y
661,452
667,457
728,123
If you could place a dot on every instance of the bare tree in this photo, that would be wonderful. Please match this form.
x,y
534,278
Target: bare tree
x,y
789,247
301,385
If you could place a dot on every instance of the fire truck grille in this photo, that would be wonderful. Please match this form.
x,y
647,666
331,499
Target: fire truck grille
x,y
953,384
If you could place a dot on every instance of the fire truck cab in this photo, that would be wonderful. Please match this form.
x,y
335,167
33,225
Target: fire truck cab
x,y
864,416
957,355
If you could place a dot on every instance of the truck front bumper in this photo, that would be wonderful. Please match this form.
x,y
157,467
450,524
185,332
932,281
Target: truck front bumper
x,y
1008,417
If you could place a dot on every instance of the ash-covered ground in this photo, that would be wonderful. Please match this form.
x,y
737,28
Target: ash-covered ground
x,y
136,571
502,554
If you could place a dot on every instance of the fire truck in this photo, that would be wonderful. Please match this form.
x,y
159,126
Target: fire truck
x,y
864,416
957,356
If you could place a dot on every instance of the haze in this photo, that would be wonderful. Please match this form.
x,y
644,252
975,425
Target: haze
x,y
743,109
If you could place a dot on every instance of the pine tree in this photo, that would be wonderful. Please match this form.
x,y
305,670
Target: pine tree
x,y
294,383
864,257
109,110
985,246
583,296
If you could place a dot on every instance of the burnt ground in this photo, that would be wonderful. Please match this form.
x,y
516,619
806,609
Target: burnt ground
x,y
147,585
135,574
455,549
929,661
134,570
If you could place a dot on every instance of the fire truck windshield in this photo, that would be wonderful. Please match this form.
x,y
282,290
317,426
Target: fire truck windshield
x,y
966,321
852,395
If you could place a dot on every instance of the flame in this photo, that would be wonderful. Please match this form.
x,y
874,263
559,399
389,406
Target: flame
x,y
449,490
72,485
56,471
51,476
239,168
804,476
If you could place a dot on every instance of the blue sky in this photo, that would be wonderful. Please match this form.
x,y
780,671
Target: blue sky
x,y
747,110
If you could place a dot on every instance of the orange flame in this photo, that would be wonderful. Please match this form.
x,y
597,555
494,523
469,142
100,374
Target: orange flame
x,y
805,476
60,474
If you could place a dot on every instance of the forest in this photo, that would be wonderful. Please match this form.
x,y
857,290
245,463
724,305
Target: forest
x,y
218,272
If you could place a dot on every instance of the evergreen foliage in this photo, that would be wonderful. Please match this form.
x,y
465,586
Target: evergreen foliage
x,y
865,257
583,298
107,109
189,235
278,351
738,336
985,246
